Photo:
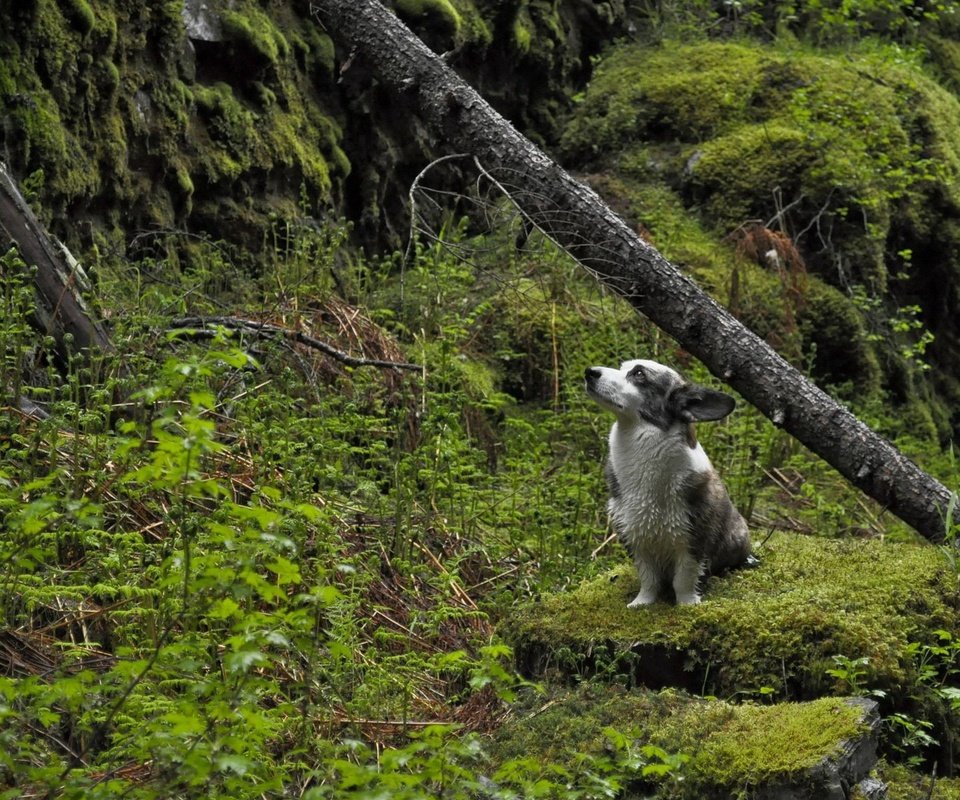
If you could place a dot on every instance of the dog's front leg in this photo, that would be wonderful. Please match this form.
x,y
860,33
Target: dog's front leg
x,y
686,573
649,584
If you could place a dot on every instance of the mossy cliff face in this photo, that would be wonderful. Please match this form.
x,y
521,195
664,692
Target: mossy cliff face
x,y
211,117
121,120
853,158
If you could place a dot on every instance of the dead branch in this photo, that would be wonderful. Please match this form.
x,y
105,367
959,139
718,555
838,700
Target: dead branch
x,y
206,326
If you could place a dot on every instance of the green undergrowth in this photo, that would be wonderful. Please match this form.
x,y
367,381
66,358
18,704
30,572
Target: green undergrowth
x,y
728,749
235,567
905,784
228,561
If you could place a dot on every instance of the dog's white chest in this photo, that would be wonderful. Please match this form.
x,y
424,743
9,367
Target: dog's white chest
x,y
649,509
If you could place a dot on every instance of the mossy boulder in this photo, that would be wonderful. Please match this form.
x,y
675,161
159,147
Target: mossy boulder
x,y
844,141
776,629
853,156
701,748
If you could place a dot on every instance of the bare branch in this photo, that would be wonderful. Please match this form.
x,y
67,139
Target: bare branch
x,y
208,325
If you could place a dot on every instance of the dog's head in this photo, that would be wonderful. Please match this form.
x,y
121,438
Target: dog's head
x,y
647,391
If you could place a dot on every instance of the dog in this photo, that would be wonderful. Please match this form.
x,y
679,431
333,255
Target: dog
x,y
667,504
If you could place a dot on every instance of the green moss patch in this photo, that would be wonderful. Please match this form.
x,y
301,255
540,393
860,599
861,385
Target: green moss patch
x,y
713,748
774,629
906,784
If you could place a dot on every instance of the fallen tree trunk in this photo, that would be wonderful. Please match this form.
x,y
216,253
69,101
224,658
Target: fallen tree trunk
x,y
579,221
59,308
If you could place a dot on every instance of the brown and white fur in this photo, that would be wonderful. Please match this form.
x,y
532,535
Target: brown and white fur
x,y
667,503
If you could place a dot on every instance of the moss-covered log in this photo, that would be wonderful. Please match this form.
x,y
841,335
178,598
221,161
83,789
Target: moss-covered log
x,y
60,309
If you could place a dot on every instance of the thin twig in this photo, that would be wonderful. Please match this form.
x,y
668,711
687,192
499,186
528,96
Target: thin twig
x,y
933,781
411,240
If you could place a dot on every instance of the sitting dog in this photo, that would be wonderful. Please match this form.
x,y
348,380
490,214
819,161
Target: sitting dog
x,y
667,503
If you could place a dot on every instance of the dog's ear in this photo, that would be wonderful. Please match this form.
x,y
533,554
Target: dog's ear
x,y
692,403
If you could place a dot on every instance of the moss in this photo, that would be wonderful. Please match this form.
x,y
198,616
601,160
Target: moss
x,y
254,30
440,13
320,49
184,184
474,28
729,747
104,33
523,30
738,173
907,784
285,138
847,138
761,744
944,54
81,14
777,626
836,340
686,93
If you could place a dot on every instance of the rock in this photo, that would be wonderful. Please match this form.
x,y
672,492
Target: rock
x,y
821,749
871,789
833,777
811,605
202,20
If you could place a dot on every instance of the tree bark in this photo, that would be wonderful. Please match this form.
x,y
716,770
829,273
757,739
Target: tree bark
x,y
576,218
59,307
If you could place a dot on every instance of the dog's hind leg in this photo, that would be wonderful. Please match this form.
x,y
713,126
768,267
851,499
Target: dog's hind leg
x,y
649,584
686,573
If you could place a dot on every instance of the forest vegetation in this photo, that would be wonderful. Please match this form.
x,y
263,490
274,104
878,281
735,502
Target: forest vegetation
x,y
232,565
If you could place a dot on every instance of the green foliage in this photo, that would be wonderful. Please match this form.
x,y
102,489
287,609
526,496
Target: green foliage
x,y
265,572
850,673
259,556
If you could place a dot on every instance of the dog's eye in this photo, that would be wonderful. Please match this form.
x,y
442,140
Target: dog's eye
x,y
637,373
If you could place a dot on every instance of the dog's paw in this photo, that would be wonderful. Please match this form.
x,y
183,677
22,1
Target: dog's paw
x,y
642,599
688,599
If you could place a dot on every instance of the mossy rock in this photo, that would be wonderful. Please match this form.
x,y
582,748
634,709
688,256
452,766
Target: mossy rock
x,y
847,141
850,156
701,748
775,629
836,340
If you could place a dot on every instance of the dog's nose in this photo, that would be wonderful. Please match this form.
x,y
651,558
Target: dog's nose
x,y
591,373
